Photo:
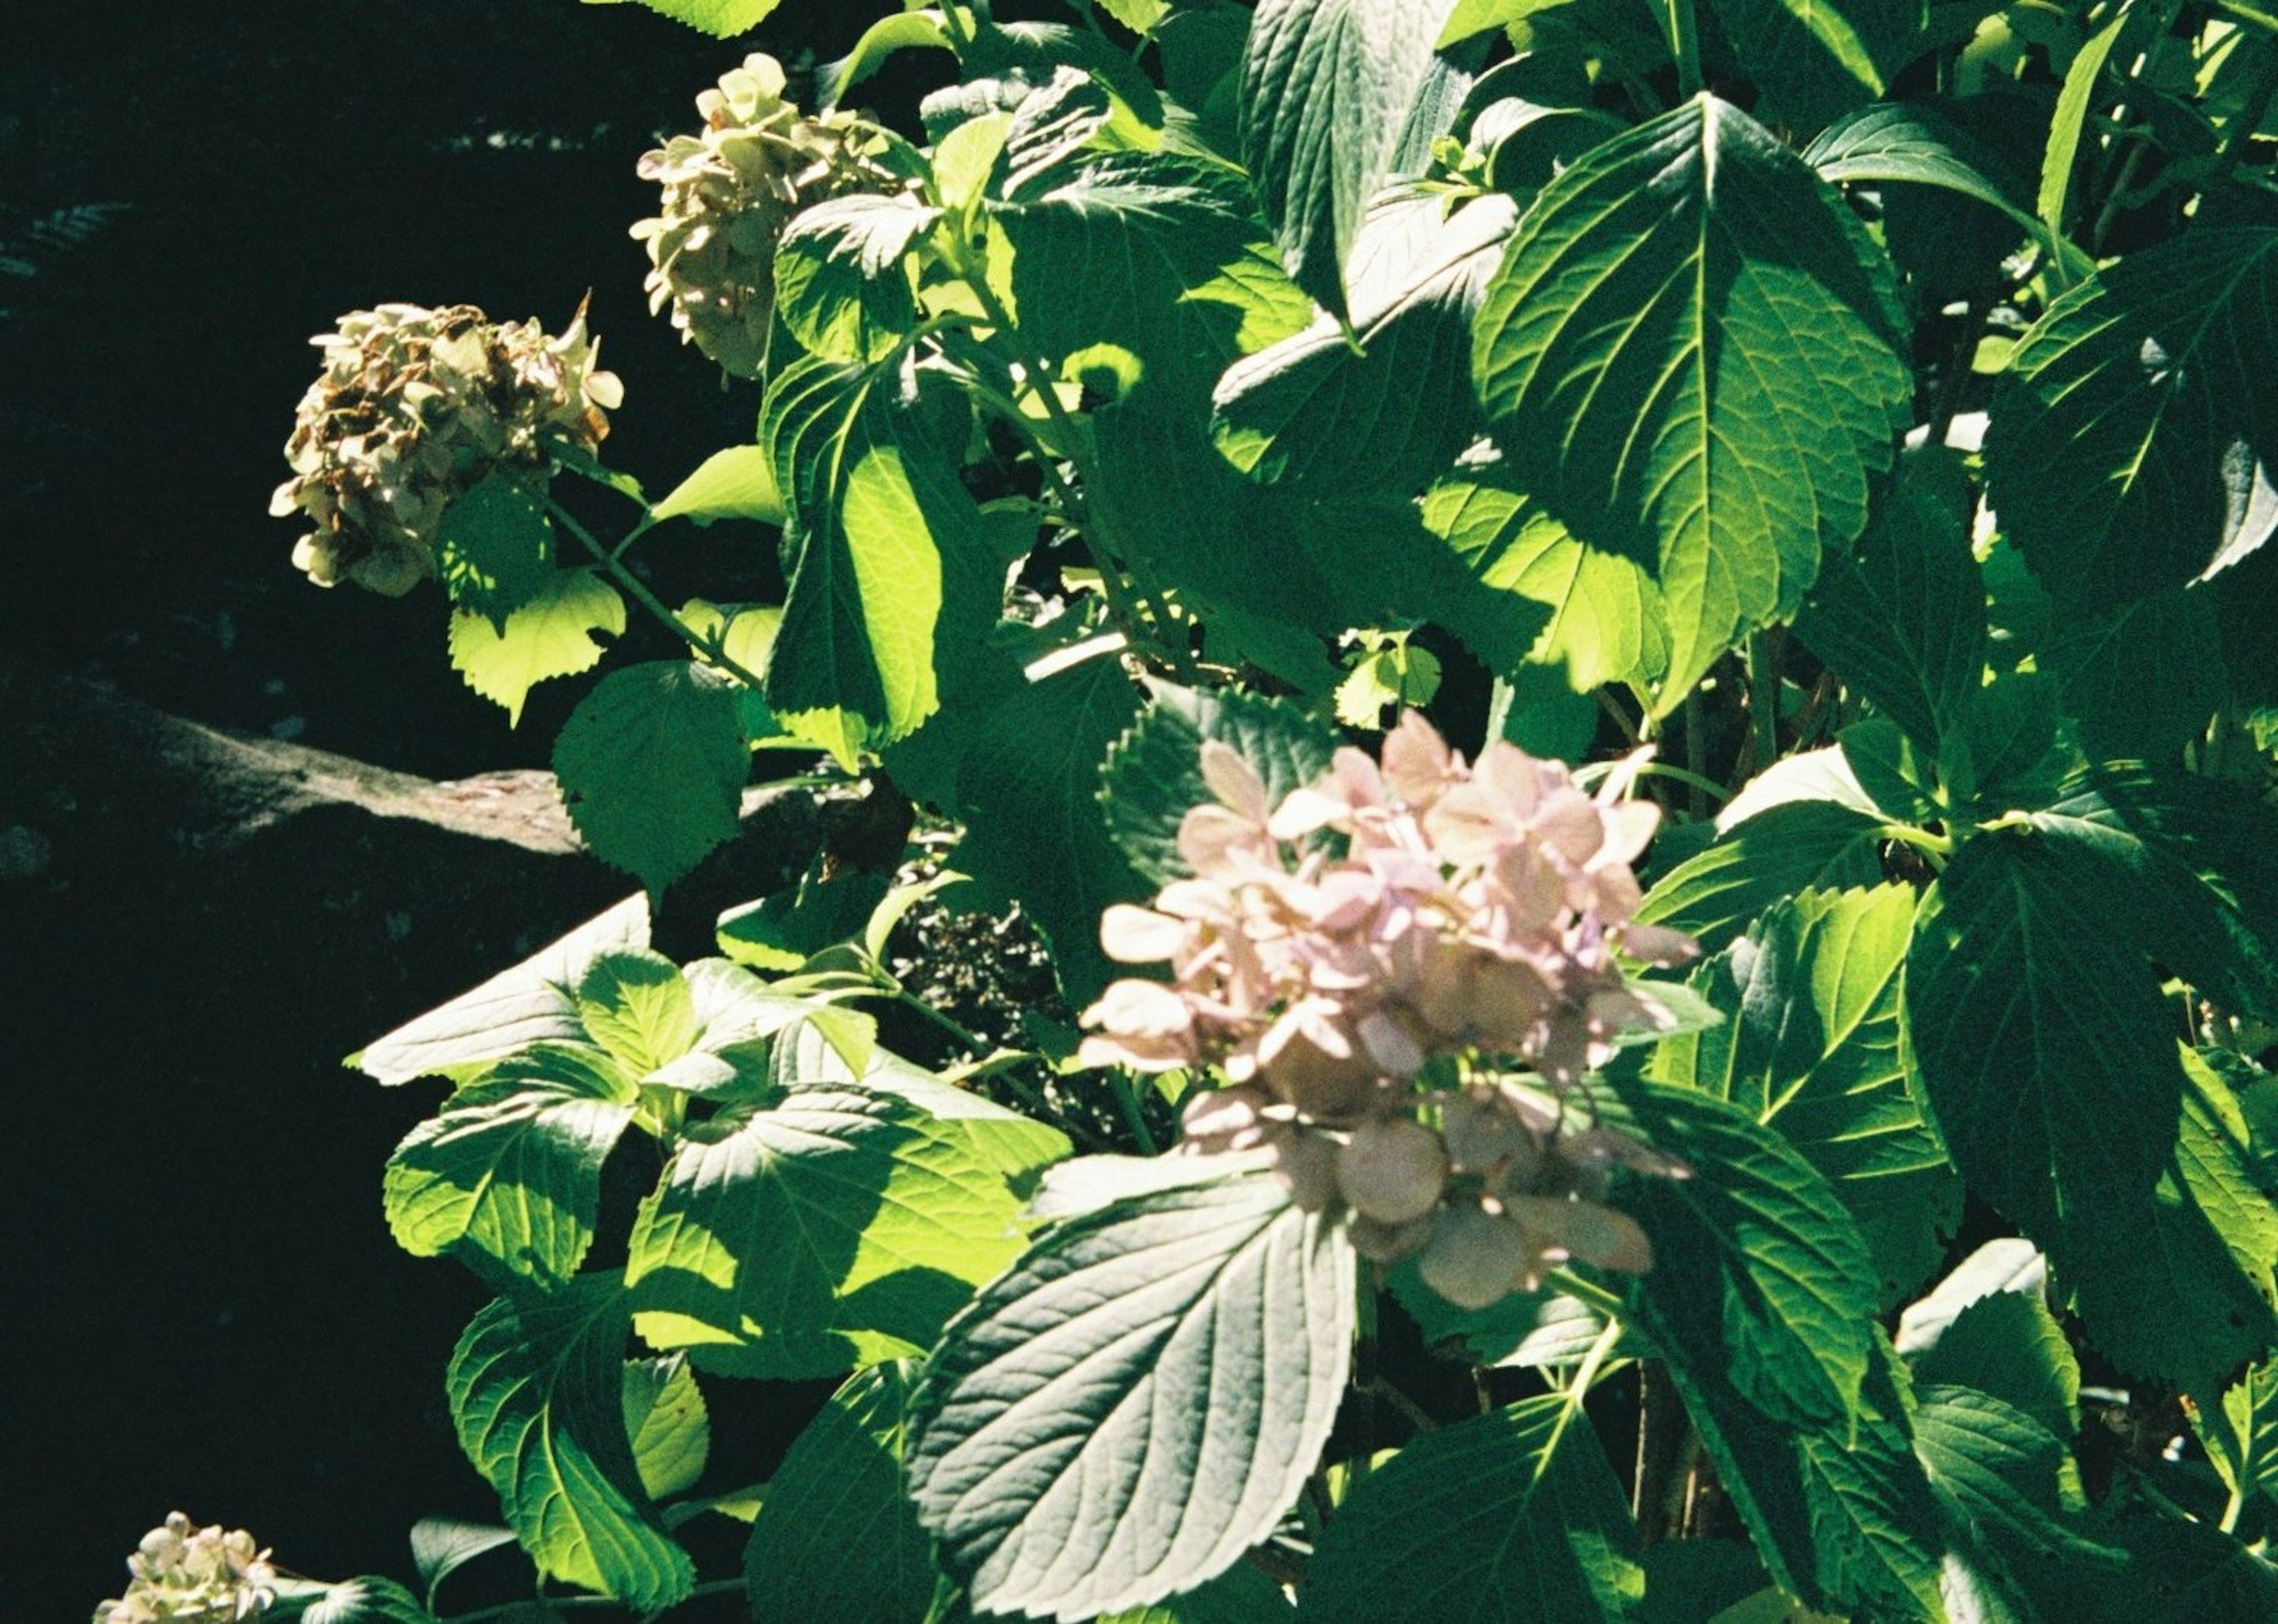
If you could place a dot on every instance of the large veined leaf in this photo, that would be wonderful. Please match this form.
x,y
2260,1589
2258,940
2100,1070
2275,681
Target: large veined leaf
x,y
1153,773
2116,435
1814,58
367,1600
888,557
842,286
637,1005
533,1002
549,634
1136,1401
1604,613
510,1170
2042,1037
1902,619
1795,846
1512,1514
667,1425
1315,411
536,1393
1988,1326
1810,1046
1688,357
721,19
839,1489
1034,828
1754,1251
838,1228
494,548
652,764
2138,677
1327,89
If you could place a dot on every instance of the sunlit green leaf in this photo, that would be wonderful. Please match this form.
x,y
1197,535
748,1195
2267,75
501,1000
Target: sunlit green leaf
x,y
1687,357
737,482
1814,59
1135,1403
842,282
1795,846
494,549
636,1005
667,1425
653,766
550,634
721,19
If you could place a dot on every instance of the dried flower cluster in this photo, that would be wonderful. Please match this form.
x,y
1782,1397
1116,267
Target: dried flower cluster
x,y
185,1575
1474,913
729,190
414,408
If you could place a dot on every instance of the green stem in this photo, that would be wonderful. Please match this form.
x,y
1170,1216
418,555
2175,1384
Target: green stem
x,y
2163,28
713,650
1588,1292
564,1603
1579,1388
1135,1115
911,1001
1684,44
1763,700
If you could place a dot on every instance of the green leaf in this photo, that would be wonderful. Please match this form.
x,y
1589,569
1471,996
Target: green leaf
x,y
784,929
2241,1435
1327,90
1135,1403
839,1489
1988,1326
2061,156
1512,1514
1756,1251
550,635
1153,773
902,31
442,1546
1295,412
1139,16
721,19
636,1005
2112,437
1814,59
653,766
1242,1594
511,1170
737,482
1902,619
667,1425
1028,790
1688,357
842,282
2043,1041
2139,676
891,564
1810,1046
494,549
1604,613
368,1600
1997,1473
1522,1331
536,1393
842,1226
532,1002
1796,846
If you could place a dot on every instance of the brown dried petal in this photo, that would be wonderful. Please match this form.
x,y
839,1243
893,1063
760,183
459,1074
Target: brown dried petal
x,y
1392,1171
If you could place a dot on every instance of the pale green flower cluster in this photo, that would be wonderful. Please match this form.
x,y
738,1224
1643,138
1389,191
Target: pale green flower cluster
x,y
1471,911
185,1575
415,407
729,190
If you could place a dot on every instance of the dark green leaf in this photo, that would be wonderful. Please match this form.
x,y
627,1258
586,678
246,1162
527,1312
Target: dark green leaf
x,y
494,549
549,634
839,1489
1134,1405
1522,1331
1814,59
1327,90
1810,1046
442,1546
1988,1326
842,285
1034,828
2139,678
537,1391
839,1227
2107,447
1687,356
510,1171
1796,846
1512,1514
1154,771
653,766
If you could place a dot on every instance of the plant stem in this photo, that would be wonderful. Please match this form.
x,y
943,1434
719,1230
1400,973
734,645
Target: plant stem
x,y
713,650
901,994
564,1603
1764,701
1684,44
2258,103
1134,1115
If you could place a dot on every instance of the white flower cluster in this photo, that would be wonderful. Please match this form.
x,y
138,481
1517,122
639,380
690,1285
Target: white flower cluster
x,y
185,1575
1463,910
414,408
729,190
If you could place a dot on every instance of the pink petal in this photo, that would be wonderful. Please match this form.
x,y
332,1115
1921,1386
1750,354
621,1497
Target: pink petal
x,y
1140,935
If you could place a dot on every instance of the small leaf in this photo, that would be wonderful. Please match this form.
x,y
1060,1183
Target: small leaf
x,y
1153,773
1523,1331
494,549
653,767
738,482
1512,1514
1814,59
636,1005
839,1489
442,1546
666,1424
1136,1401
537,1391
551,634
2241,1435
368,1600
2061,154
511,1170
1799,845
842,282
722,20
1695,271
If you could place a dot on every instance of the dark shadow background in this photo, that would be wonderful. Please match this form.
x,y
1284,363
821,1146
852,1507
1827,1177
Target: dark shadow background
x,y
204,1308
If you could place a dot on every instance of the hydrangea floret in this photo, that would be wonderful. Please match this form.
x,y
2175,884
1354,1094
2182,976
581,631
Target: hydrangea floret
x,y
1472,912
729,190
416,407
183,1574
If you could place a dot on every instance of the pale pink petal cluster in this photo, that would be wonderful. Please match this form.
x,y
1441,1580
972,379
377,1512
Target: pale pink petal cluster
x,y
1473,909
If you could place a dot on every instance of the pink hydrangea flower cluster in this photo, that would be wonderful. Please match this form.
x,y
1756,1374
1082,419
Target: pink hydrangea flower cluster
x,y
1467,909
